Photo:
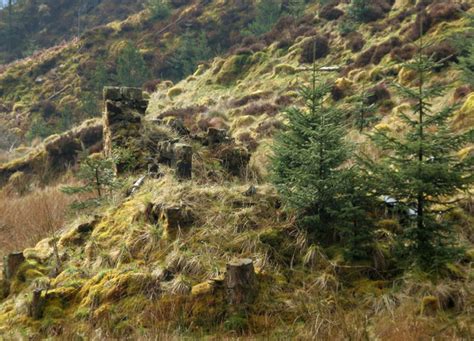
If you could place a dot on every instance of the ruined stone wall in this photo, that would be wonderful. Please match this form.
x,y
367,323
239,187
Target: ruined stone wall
x,y
56,154
123,115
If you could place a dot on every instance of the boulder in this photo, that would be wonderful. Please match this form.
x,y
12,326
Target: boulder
x,y
177,155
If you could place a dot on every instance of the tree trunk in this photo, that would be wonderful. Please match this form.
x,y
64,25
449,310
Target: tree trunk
x,y
240,282
37,305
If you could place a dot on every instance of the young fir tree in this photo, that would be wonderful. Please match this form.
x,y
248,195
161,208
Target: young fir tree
x,y
268,13
421,170
363,111
309,170
98,181
131,68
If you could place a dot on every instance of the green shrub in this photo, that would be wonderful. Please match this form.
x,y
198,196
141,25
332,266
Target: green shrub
x,y
159,9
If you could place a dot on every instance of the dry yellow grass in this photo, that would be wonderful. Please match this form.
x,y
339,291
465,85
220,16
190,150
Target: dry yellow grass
x,y
25,220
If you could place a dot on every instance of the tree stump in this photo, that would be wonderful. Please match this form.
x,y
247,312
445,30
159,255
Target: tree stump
x,y
183,160
37,305
240,282
11,264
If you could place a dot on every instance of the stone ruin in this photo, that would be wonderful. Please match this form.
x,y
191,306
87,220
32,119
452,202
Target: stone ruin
x,y
123,115
55,155
124,128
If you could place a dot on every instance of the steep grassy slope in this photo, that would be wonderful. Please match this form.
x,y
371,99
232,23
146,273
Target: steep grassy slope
x,y
55,87
122,275
36,26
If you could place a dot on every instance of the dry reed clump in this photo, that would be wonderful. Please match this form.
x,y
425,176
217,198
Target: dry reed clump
x,y
24,220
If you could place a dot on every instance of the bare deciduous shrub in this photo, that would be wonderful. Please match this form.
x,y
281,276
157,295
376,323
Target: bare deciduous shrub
x,y
26,220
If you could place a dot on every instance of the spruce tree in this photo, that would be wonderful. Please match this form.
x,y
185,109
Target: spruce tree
x,y
268,13
131,68
309,164
99,78
421,170
98,180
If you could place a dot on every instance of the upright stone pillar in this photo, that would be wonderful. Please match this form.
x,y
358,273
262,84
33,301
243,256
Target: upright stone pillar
x,y
183,160
124,111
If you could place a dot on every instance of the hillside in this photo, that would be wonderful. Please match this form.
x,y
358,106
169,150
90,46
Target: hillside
x,y
34,26
190,234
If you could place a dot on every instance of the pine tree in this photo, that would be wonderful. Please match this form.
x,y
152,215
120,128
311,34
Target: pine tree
x,y
421,170
268,13
131,68
308,166
98,181
365,10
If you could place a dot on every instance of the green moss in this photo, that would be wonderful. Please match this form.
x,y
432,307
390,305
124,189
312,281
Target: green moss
x,y
53,310
232,69
173,92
